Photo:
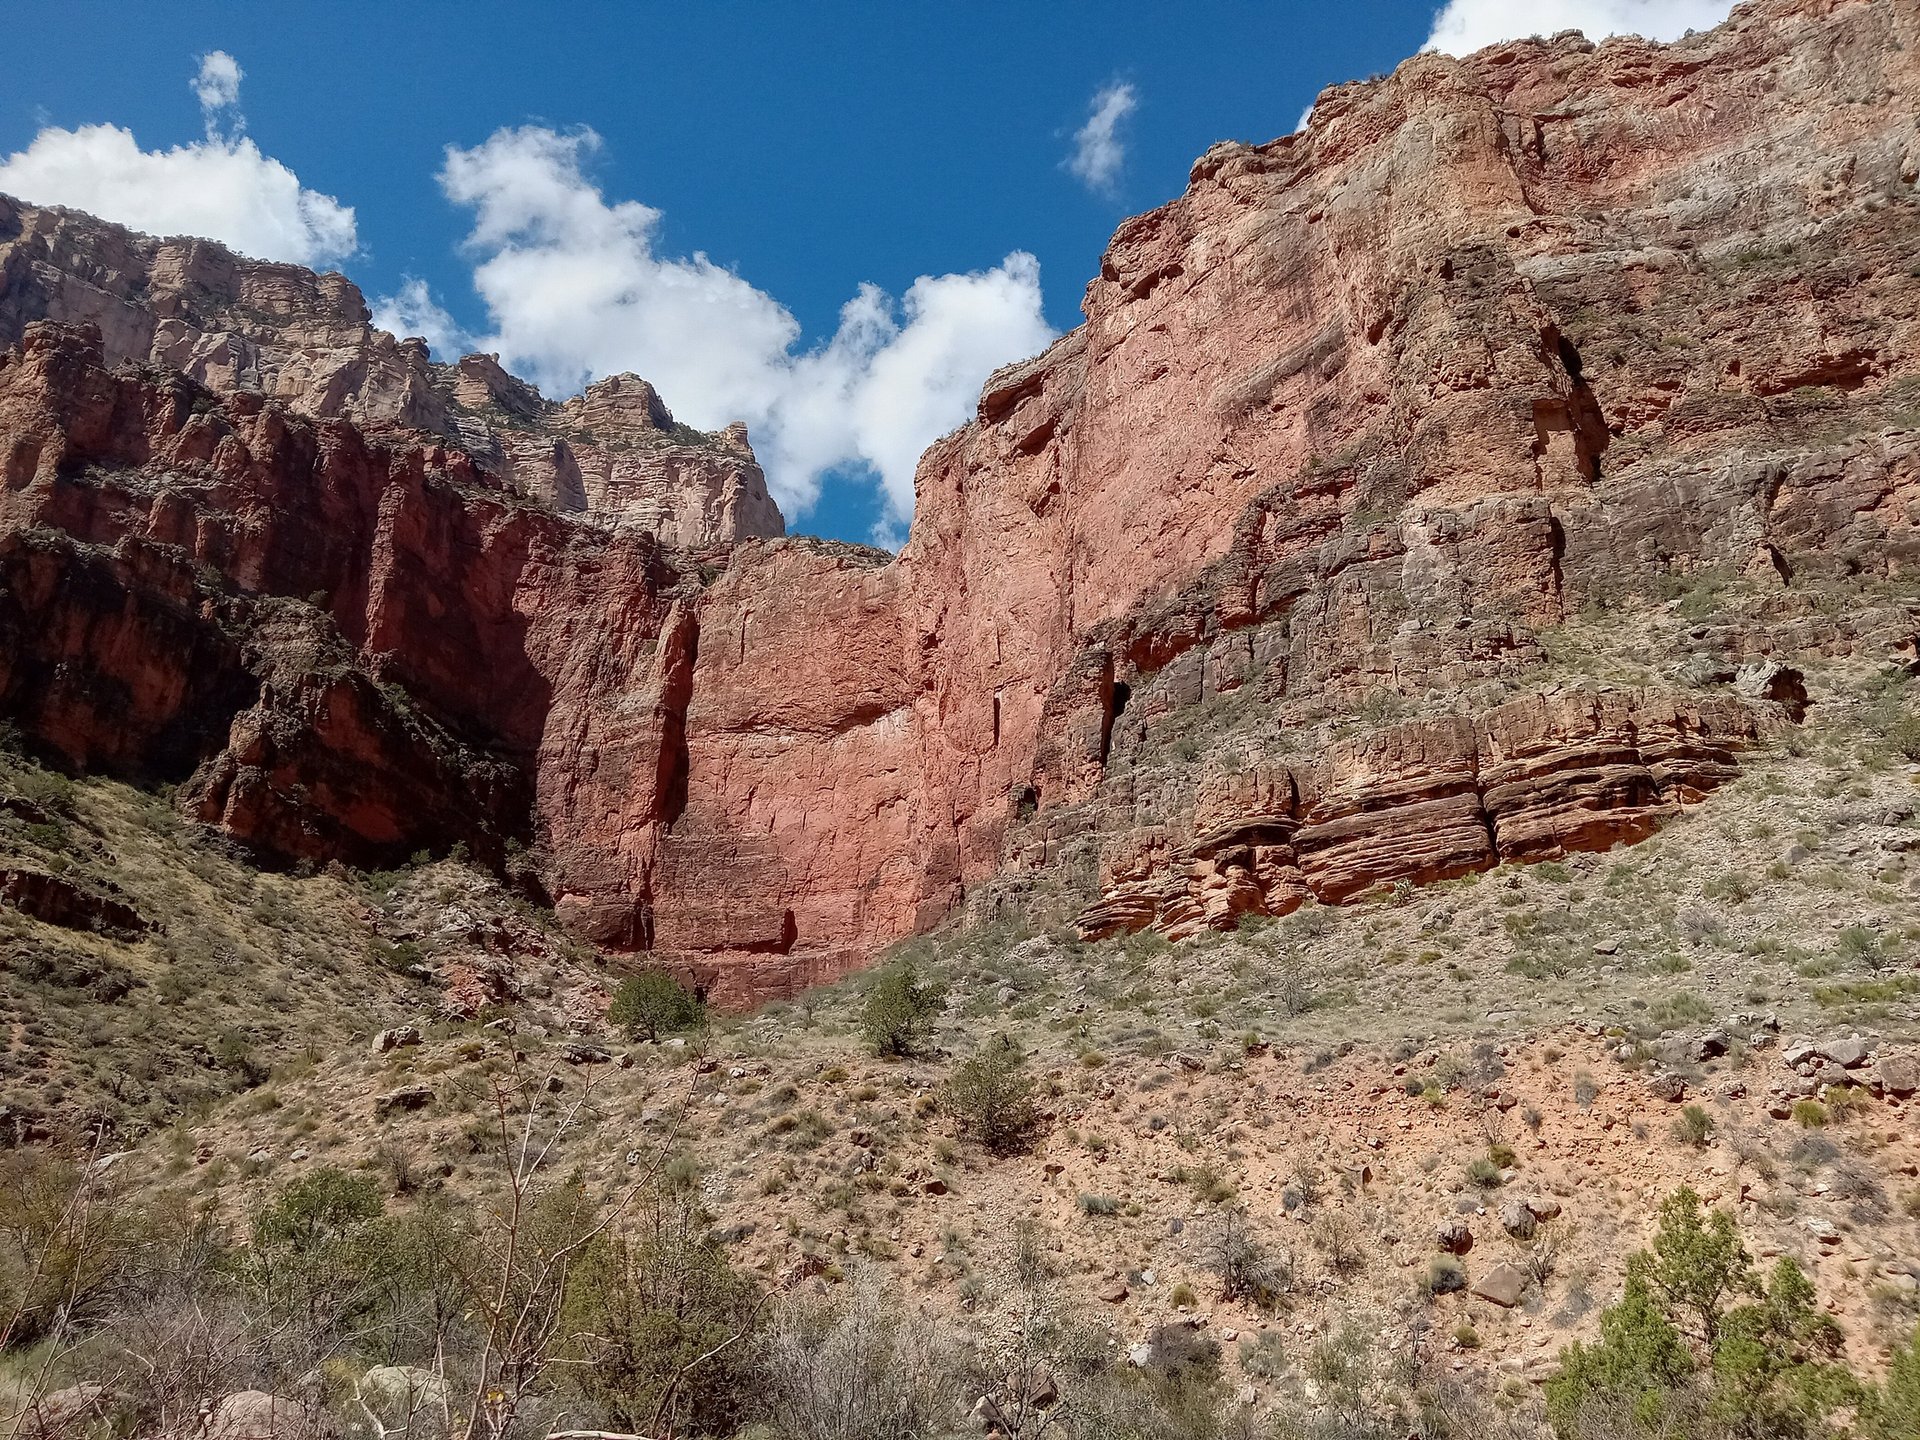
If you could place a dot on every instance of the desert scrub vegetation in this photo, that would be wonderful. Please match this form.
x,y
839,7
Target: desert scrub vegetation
x,y
991,1097
653,1004
1700,1344
228,973
900,1008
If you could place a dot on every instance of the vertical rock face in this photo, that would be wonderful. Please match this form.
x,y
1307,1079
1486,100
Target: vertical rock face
x,y
1246,591
1366,412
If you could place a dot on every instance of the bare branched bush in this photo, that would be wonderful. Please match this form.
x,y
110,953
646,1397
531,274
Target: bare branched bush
x,y
1542,1259
1245,1266
1339,1239
859,1365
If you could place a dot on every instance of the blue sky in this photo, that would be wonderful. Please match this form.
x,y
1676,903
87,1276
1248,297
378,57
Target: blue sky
x,y
809,149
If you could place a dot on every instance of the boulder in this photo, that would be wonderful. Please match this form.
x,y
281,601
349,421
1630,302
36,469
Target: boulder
x,y
257,1415
1042,1392
1898,1074
402,1397
1667,1086
395,1038
1710,1045
1454,1236
1518,1220
1849,1053
406,1097
68,1412
1505,1285
987,1417
1777,684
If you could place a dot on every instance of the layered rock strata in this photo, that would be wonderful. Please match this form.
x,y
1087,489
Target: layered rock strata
x,y
307,342
1356,427
1427,800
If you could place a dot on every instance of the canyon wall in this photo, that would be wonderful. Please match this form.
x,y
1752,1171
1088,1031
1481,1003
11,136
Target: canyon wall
x,y
1246,591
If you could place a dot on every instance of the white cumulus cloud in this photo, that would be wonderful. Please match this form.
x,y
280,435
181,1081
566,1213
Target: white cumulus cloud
x,y
1466,25
1098,149
218,83
412,310
576,288
221,187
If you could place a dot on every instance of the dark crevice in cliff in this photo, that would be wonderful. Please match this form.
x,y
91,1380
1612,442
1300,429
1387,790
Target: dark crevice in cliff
x,y
1589,423
679,649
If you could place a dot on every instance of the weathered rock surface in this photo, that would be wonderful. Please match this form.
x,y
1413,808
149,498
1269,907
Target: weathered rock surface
x,y
1494,344
58,901
1429,800
257,1415
1505,1285
233,326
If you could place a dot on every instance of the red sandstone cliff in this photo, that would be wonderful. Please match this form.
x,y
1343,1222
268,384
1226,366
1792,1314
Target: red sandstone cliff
x,y
1350,425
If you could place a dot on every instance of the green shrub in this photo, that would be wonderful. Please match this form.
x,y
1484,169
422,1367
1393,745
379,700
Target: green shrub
x,y
1243,1264
1099,1205
1694,1127
659,1308
1892,1411
1483,1173
1846,1101
318,1208
401,957
1678,1356
1809,1114
991,1096
1445,1275
899,1009
1903,736
652,1004
1263,1356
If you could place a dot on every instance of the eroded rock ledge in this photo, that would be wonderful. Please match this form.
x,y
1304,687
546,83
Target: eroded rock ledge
x,y
1428,800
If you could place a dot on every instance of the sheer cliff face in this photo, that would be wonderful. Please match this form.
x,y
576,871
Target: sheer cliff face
x,y
1367,410
1363,414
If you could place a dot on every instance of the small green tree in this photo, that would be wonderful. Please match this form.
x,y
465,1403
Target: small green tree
x,y
664,1323
1677,1358
306,1259
316,1209
991,1095
1773,1370
1697,1264
1892,1412
899,1009
652,1004
1629,1382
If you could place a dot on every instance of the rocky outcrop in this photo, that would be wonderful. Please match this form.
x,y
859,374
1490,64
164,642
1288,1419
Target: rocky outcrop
x,y
339,648
1253,587
1555,331
306,341
1428,800
55,900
